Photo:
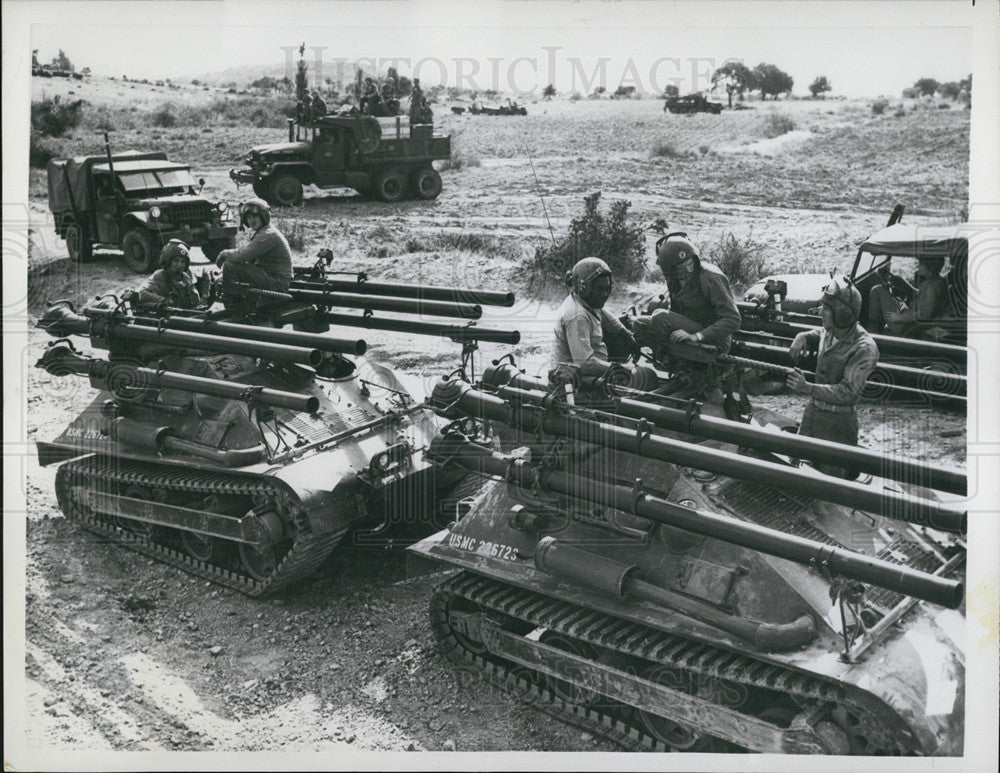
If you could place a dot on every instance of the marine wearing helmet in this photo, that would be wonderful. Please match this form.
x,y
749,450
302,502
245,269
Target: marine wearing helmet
x,y
265,261
898,308
172,283
847,355
583,329
701,306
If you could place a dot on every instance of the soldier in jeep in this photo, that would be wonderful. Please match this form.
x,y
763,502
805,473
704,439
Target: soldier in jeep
x,y
265,262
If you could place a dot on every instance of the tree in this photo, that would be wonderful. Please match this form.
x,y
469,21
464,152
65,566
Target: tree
x,y
735,77
770,80
301,79
549,91
950,90
819,86
926,86
62,62
670,90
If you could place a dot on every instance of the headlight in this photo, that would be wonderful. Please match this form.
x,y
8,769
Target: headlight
x,y
222,206
154,211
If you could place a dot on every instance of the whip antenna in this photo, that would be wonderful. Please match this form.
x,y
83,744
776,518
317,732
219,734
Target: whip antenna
x,y
540,196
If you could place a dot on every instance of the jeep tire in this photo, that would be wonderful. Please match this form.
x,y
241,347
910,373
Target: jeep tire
x,y
141,254
425,183
78,244
390,185
286,190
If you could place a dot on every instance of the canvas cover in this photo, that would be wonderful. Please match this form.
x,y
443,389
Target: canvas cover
x,y
68,178
917,241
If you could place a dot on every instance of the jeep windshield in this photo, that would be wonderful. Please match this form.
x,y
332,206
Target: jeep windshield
x,y
140,178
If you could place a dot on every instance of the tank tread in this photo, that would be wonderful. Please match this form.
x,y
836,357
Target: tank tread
x,y
302,558
881,729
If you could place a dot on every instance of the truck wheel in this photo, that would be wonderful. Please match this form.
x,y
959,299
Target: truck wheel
x,y
79,246
426,183
140,250
262,189
286,190
390,185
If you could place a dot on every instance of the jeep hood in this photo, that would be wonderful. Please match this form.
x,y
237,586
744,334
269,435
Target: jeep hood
x,y
281,147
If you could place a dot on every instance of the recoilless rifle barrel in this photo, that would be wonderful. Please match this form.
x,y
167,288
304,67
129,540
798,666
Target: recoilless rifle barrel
x,y
374,303
419,292
454,332
748,436
455,449
455,399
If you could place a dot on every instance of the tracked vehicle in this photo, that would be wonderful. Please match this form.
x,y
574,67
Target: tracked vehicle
x,y
239,449
673,580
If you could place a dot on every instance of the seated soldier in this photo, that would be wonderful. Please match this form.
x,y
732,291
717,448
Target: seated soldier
x,y
172,284
583,326
265,262
912,314
702,306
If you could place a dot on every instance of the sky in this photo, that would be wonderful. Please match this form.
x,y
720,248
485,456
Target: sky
x,y
864,49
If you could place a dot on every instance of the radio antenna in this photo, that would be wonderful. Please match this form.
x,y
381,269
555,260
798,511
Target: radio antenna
x,y
540,196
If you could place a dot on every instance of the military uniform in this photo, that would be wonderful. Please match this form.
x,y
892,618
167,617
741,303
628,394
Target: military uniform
x,y
842,368
264,262
176,291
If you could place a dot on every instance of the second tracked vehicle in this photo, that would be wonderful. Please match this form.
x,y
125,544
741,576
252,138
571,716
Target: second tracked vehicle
x,y
673,580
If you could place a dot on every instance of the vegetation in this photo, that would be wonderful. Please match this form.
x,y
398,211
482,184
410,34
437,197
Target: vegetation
x,y
926,87
53,117
611,237
778,124
742,261
770,80
879,106
549,91
819,86
736,78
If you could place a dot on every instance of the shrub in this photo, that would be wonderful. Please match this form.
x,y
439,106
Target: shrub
x,y
39,153
900,112
164,117
294,232
52,118
778,124
610,237
741,261
458,160
879,106
665,149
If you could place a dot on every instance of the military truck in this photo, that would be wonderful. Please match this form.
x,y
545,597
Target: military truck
x,y
135,202
384,157
692,103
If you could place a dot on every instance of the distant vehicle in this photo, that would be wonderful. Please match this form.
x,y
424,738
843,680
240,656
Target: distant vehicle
x,y
383,157
692,103
511,108
899,244
135,202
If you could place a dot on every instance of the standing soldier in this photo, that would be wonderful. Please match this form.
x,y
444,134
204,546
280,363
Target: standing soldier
x,y
847,356
416,102
702,306
369,99
389,96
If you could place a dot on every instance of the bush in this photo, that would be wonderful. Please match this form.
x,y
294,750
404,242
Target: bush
x,y
459,159
665,149
900,112
879,106
778,124
610,237
164,117
741,261
295,233
52,118
39,154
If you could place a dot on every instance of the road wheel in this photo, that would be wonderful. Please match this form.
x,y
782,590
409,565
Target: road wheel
x,y
77,243
426,183
140,250
286,190
390,185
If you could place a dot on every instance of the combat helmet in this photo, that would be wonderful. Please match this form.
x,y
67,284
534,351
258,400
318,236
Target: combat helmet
x,y
584,272
173,249
844,299
255,205
673,249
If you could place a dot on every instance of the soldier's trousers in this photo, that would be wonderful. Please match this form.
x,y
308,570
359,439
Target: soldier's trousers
x,y
252,275
836,426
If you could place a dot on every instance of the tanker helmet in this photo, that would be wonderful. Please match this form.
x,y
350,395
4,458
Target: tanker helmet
x,y
844,300
674,249
258,206
584,272
172,249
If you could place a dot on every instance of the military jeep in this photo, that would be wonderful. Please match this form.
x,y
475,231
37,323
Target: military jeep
x,y
385,157
135,202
